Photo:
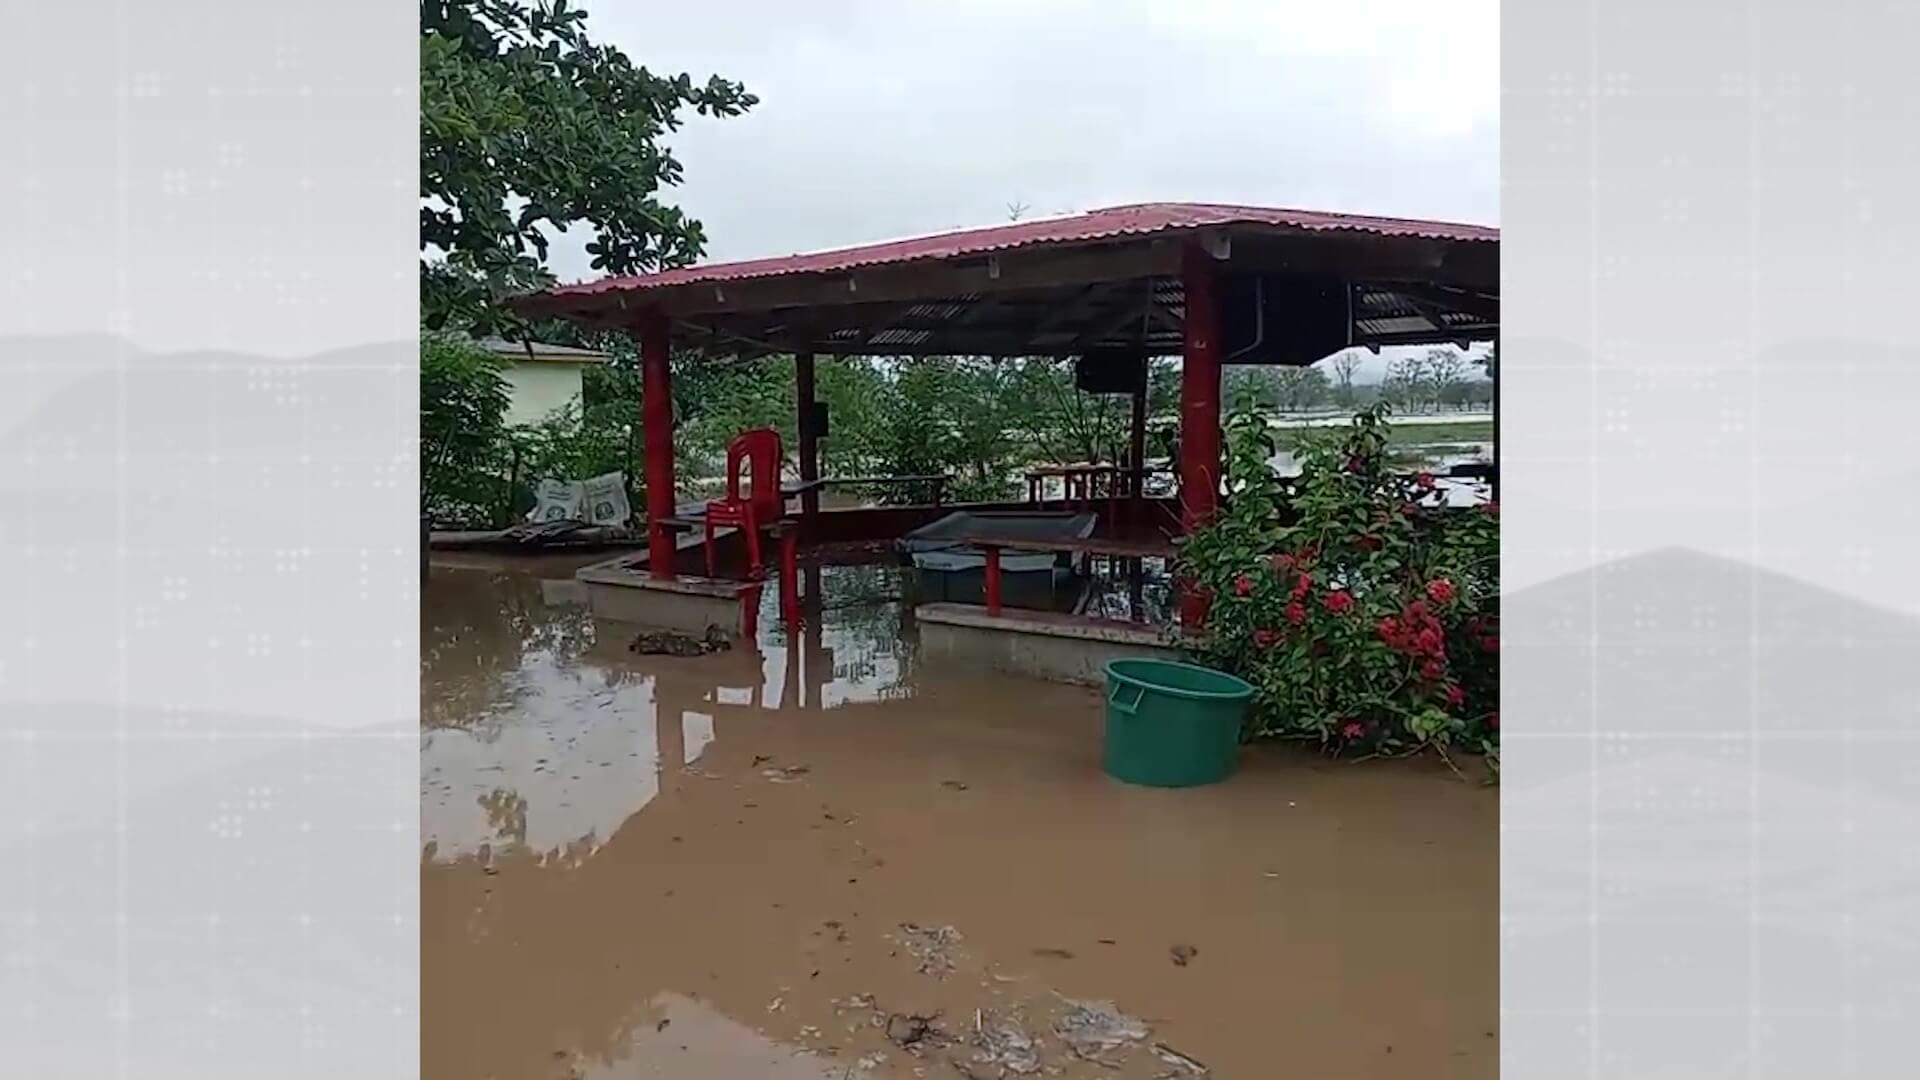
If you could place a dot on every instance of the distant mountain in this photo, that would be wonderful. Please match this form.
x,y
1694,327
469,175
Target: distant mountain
x,y
1673,648
79,404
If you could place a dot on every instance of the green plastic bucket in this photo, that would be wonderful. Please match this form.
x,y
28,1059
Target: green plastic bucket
x,y
1171,724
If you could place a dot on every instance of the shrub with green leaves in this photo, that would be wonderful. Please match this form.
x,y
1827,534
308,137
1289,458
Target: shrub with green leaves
x,y
463,446
1363,611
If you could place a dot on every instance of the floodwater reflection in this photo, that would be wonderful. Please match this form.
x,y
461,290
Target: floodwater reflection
x,y
542,733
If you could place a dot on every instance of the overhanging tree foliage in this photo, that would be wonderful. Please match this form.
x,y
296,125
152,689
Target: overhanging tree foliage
x,y
463,406
528,124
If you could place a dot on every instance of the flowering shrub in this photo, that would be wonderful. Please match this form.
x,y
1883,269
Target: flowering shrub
x,y
1363,611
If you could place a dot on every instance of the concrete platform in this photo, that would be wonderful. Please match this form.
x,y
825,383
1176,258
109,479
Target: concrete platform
x,y
1039,644
622,590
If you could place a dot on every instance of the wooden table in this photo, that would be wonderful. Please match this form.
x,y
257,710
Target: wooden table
x,y
991,546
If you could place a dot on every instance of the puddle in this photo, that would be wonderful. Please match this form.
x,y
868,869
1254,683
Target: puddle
x,y
689,1039
813,858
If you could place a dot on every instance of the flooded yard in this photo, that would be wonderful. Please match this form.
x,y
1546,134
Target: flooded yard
x,y
818,858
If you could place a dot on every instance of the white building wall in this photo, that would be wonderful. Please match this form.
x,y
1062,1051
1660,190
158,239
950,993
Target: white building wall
x,y
540,388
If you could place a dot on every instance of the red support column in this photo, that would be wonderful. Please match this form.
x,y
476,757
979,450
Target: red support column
x,y
1199,409
656,412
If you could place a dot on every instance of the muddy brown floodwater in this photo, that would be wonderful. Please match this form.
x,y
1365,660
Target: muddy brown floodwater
x,y
818,859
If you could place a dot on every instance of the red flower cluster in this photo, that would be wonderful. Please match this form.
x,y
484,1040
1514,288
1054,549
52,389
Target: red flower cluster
x,y
1302,585
1354,729
1423,481
1296,614
1243,586
1281,563
1338,601
1441,590
1264,638
1415,632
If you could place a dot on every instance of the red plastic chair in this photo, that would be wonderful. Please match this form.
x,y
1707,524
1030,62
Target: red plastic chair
x,y
759,448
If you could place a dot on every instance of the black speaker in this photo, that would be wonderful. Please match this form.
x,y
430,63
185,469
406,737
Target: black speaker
x,y
1110,371
1289,319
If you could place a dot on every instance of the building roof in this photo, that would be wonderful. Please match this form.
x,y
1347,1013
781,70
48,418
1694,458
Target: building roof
x,y
1056,286
1143,219
523,351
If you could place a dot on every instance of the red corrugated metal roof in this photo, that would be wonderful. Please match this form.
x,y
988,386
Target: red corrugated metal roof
x,y
1137,220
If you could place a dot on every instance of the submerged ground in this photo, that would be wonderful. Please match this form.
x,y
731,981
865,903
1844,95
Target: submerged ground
x,y
821,859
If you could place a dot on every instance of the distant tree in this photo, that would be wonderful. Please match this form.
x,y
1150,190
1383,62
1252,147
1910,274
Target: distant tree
x,y
527,124
1300,388
1345,363
1445,370
1405,385
1249,387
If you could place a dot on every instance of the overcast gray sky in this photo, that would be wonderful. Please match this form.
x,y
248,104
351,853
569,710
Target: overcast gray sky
x,y
885,119
880,120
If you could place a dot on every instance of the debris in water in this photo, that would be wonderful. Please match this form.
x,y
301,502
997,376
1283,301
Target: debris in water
x,y
871,1061
775,1004
954,785
785,774
1179,1060
662,1025
674,643
1054,954
1183,954
760,759
932,946
1002,1042
909,1031
1094,1028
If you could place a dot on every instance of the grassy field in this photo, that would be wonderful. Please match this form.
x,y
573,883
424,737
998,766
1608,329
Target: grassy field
x,y
1416,434
1409,434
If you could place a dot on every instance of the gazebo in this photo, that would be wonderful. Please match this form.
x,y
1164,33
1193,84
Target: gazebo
x,y
1212,284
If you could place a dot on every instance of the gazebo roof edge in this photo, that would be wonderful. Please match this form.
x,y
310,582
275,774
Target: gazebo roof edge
x,y
1111,223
